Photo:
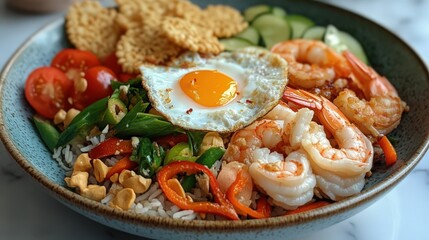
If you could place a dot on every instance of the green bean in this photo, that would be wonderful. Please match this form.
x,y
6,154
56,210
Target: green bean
x,y
208,158
47,132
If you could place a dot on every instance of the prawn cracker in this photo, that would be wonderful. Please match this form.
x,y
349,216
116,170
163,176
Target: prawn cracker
x,y
136,12
145,45
92,27
190,36
223,20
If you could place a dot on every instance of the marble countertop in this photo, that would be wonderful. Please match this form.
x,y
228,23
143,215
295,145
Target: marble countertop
x,y
28,212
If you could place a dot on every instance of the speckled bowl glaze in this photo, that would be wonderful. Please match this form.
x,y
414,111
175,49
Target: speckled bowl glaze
x,y
388,54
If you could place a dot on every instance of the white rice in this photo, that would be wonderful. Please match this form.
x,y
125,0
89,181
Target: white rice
x,y
153,202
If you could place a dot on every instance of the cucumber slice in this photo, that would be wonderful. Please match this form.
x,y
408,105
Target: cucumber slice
x,y
332,39
315,33
277,11
341,41
234,43
354,46
299,24
251,12
273,29
250,34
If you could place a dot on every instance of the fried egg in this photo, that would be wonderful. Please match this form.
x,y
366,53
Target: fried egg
x,y
222,93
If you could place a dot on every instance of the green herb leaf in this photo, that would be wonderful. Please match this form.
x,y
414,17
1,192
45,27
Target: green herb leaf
x,y
195,138
149,156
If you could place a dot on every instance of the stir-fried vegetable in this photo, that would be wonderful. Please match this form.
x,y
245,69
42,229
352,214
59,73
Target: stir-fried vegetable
x,y
149,155
180,152
263,207
111,146
47,132
389,151
208,158
84,122
222,206
308,207
123,164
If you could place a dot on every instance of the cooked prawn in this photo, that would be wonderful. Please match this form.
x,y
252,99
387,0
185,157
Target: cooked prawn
x,y
281,130
311,63
381,110
227,176
262,146
340,172
289,182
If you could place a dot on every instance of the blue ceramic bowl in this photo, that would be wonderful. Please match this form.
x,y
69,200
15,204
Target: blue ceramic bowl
x,y
388,54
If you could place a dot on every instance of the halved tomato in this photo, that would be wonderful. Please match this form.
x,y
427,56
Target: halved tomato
x,y
46,89
111,61
98,86
73,61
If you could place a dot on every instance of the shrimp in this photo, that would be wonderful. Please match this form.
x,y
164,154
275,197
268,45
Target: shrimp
x,y
381,110
281,129
262,146
289,182
340,172
227,176
311,63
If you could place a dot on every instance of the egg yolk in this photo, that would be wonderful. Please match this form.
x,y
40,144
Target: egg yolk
x,y
209,88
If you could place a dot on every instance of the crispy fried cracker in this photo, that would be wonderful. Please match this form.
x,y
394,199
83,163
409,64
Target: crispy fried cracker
x,y
190,36
143,45
223,20
92,27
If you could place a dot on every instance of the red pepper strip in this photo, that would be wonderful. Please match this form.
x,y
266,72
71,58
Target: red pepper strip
x,y
308,207
111,146
263,208
124,164
389,151
171,140
221,207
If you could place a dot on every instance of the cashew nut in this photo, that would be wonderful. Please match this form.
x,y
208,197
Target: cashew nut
x,y
211,139
82,163
71,113
94,192
124,175
78,179
123,199
60,116
175,185
114,178
138,183
100,170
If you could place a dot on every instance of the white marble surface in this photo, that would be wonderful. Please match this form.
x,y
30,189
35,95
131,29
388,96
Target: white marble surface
x,y
28,212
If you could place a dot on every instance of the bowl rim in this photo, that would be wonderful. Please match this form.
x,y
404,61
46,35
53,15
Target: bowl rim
x,y
364,198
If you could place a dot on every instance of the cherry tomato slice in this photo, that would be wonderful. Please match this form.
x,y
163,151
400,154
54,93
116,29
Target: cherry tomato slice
x,y
73,61
98,86
125,77
111,61
46,89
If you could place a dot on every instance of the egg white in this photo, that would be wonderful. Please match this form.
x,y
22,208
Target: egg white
x,y
261,77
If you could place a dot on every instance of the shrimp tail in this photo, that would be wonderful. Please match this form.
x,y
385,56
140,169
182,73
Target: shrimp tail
x,y
368,79
327,113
